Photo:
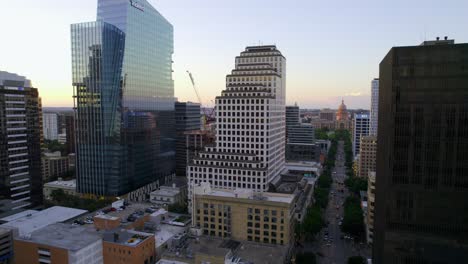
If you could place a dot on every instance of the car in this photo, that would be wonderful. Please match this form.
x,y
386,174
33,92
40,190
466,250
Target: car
x,y
328,244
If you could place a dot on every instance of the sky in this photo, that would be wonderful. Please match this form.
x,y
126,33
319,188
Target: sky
x,y
333,48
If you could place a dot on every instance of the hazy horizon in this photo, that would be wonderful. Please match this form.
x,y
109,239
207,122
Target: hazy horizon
x,y
333,49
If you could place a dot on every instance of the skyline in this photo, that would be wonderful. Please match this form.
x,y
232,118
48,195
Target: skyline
x,y
349,43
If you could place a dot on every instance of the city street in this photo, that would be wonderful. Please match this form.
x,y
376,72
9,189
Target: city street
x,y
331,245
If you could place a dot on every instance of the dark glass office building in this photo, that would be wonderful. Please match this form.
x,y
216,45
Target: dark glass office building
x,y
422,160
122,74
20,144
187,118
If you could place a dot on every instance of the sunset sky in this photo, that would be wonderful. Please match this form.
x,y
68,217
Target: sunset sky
x,y
333,48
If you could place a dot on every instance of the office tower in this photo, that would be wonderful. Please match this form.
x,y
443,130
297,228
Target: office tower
x,y
292,116
122,76
196,141
360,129
422,160
187,118
50,126
367,156
70,133
300,138
374,112
250,125
20,149
327,114
369,220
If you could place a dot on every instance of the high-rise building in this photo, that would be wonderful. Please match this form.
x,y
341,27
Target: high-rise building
x,y
124,98
422,158
70,133
187,118
300,138
250,125
50,126
360,129
369,220
374,112
327,114
292,116
20,139
54,165
367,156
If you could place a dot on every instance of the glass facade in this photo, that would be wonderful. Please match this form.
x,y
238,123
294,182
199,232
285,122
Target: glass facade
x,y
143,145
97,56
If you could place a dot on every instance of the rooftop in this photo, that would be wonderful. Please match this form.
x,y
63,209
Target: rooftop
x,y
61,183
262,253
245,194
35,220
166,232
166,261
65,236
125,237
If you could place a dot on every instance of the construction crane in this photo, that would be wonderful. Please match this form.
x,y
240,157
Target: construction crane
x,y
206,116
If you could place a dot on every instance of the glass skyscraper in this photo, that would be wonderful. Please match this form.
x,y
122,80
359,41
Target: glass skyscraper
x,y
122,74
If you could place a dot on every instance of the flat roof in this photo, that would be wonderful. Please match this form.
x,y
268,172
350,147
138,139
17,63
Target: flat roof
x,y
18,215
125,237
167,261
65,236
68,184
26,224
166,232
248,194
262,253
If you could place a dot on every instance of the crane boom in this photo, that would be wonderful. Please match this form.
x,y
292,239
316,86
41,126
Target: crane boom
x,y
195,88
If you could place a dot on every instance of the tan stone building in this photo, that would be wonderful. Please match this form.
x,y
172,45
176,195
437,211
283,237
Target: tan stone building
x,y
367,156
128,247
244,215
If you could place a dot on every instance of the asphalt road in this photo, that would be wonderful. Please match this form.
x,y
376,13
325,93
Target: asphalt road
x,y
331,246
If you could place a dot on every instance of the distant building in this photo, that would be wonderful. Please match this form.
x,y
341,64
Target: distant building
x,y
60,243
128,247
167,196
20,139
187,118
342,113
360,129
374,112
54,165
327,114
244,215
68,187
50,126
421,207
300,138
367,156
370,206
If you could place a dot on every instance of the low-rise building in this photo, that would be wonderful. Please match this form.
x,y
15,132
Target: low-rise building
x,y
244,215
59,243
128,247
218,251
6,246
54,165
68,187
174,192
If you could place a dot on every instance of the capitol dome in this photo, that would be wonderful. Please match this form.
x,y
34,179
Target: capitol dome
x,y
342,113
